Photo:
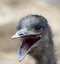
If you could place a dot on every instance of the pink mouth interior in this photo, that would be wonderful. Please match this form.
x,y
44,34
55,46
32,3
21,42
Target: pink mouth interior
x,y
29,41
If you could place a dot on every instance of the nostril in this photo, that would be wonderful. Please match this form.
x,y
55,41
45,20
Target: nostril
x,y
20,34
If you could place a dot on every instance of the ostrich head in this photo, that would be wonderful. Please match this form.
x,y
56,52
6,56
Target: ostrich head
x,y
36,38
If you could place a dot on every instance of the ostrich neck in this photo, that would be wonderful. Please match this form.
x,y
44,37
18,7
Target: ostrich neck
x,y
44,53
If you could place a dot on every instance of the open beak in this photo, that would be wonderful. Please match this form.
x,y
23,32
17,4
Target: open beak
x,y
29,41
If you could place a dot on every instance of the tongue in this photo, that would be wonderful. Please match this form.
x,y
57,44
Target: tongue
x,y
26,46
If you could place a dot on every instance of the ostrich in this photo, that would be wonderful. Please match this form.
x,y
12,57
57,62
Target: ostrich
x,y
36,37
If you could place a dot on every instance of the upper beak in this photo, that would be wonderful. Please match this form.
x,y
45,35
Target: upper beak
x,y
20,33
15,36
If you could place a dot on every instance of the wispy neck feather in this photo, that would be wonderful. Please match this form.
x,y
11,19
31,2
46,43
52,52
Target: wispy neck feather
x,y
44,53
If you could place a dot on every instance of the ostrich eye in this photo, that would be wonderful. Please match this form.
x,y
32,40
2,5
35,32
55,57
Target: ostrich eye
x,y
37,28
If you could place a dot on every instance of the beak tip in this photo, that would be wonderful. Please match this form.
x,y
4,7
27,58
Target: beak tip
x,y
12,37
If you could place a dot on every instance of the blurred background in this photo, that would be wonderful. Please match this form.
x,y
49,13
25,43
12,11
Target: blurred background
x,y
11,11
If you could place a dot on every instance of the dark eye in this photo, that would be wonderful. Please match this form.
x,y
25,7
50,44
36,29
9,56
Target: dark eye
x,y
37,28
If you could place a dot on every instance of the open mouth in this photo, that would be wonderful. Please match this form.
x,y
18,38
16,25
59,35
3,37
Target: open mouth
x,y
28,43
